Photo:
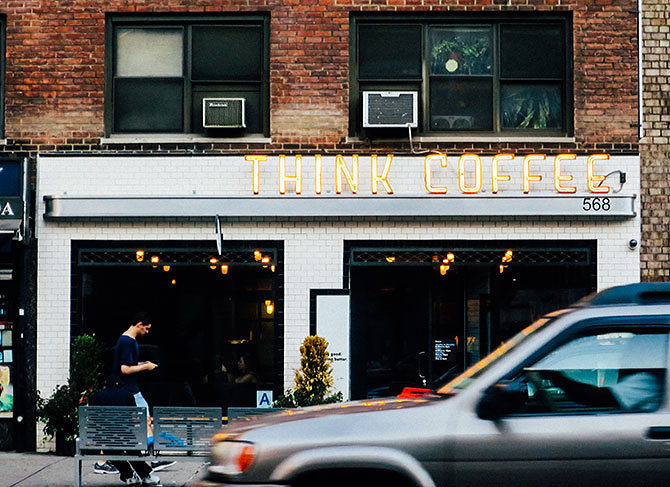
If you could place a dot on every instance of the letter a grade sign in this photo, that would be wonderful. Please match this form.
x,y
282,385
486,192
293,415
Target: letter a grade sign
x,y
263,399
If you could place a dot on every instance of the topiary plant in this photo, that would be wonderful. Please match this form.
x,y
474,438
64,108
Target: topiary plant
x,y
314,379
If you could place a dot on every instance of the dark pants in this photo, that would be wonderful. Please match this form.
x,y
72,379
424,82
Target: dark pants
x,y
126,468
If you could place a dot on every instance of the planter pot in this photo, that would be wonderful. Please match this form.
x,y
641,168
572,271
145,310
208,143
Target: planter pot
x,y
64,448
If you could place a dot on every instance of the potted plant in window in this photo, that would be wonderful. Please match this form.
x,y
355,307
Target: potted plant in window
x,y
314,379
59,412
531,107
461,54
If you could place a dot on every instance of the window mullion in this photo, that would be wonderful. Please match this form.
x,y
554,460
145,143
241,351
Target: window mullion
x,y
186,76
497,115
425,83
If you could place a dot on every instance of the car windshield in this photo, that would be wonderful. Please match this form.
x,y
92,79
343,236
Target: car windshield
x,y
468,377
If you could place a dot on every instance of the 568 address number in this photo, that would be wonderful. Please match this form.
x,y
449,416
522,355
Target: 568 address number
x,y
596,204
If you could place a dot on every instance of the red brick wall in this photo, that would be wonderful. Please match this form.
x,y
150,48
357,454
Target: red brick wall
x,y
655,146
55,71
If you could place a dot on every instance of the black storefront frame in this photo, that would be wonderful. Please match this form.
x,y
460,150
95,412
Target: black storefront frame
x,y
76,291
443,247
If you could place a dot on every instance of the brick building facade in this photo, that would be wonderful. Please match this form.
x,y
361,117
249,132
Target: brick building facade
x,y
654,146
110,180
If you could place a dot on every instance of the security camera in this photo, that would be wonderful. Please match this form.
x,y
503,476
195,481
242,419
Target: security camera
x,y
632,244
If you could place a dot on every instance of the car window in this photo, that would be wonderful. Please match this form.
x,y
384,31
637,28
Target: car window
x,y
468,377
598,371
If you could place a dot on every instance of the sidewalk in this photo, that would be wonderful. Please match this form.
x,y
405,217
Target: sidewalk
x,y
48,470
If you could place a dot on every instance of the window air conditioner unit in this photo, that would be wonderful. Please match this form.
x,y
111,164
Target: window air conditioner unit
x,y
223,113
388,109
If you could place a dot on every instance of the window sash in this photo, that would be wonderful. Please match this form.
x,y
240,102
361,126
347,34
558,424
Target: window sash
x,y
257,84
426,84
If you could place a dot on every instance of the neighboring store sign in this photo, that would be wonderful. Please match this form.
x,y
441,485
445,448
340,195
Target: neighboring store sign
x,y
11,189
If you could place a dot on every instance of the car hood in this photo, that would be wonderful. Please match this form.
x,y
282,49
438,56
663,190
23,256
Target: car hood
x,y
325,413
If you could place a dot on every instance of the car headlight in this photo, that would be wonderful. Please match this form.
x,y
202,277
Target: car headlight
x,y
232,457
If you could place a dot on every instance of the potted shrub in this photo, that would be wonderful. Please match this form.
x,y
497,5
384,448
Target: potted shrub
x,y
314,379
59,412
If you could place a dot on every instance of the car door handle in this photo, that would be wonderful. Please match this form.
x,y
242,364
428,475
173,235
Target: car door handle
x,y
659,433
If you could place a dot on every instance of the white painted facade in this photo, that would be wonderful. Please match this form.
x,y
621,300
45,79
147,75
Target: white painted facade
x,y
313,247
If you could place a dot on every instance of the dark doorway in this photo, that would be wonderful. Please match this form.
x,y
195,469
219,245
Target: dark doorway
x,y
397,316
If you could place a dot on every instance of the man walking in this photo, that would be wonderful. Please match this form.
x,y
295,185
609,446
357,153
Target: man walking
x,y
125,368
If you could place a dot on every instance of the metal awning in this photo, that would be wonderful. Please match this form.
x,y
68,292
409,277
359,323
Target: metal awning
x,y
590,206
11,226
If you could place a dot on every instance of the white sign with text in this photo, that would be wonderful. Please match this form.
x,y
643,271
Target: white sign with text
x,y
332,323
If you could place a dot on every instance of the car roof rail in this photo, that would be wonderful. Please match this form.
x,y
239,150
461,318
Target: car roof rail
x,y
638,293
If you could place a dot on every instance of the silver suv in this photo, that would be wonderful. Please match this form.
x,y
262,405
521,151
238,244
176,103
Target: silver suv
x,y
578,398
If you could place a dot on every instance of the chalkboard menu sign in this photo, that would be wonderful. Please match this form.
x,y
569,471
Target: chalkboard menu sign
x,y
445,350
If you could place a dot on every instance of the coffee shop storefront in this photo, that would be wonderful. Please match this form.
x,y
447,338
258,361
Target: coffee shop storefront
x,y
413,267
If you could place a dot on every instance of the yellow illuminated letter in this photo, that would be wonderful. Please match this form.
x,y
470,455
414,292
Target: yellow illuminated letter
x,y
256,170
495,176
478,173
342,169
318,174
385,174
427,180
527,176
596,178
283,177
559,178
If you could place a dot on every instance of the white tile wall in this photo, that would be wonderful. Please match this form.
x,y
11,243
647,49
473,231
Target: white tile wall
x,y
313,248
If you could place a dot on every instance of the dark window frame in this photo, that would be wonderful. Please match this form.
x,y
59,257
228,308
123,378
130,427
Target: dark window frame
x,y
426,22
3,75
190,88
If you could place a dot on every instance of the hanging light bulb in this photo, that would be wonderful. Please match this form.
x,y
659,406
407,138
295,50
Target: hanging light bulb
x,y
272,268
166,268
265,259
390,259
139,255
450,257
269,306
224,269
155,260
173,282
213,261
257,255
443,269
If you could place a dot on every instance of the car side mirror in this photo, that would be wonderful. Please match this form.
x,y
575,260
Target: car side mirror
x,y
500,400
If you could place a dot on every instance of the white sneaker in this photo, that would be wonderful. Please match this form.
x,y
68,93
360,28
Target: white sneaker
x,y
134,480
151,479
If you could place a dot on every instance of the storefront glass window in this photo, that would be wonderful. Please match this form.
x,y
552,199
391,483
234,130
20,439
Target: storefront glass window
x,y
214,331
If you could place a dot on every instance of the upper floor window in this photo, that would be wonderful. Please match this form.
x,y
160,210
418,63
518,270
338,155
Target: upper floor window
x,y
503,75
161,69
